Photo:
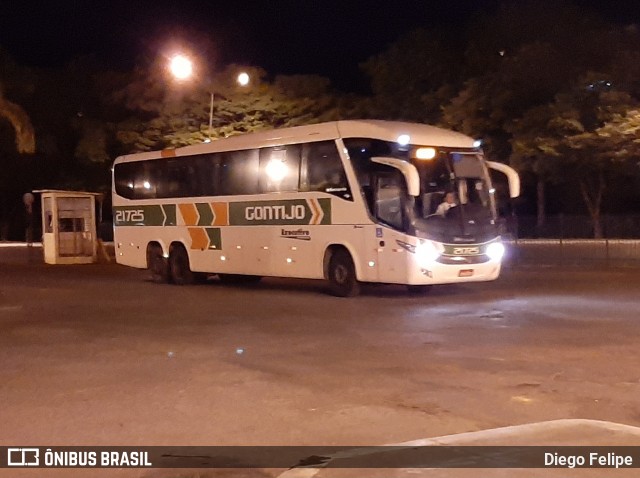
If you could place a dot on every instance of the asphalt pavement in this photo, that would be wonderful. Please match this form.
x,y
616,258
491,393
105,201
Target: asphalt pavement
x,y
99,355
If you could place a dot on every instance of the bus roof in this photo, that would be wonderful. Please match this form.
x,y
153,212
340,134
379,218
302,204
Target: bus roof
x,y
377,129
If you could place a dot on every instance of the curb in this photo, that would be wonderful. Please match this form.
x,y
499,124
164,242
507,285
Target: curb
x,y
461,439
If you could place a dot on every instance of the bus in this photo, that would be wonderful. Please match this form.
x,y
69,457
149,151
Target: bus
x,y
349,202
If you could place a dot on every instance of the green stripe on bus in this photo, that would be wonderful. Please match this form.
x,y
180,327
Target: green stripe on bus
x,y
170,213
150,215
245,213
325,205
206,215
282,212
215,238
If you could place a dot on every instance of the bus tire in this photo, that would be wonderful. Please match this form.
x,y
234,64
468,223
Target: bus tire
x,y
157,264
342,275
179,267
419,289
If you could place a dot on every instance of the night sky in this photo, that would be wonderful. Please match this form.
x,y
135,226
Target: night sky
x,y
326,37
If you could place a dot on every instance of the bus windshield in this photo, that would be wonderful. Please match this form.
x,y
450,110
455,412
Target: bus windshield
x,y
456,199
454,179
456,195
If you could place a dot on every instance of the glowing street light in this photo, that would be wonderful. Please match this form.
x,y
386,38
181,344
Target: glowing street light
x,y
243,79
181,68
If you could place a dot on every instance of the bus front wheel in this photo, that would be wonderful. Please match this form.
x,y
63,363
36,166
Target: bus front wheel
x,y
342,275
157,264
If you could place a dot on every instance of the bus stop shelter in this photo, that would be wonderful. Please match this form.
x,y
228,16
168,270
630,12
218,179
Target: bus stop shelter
x,y
69,226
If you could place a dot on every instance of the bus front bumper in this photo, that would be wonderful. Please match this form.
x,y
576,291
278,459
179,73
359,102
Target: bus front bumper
x,y
439,273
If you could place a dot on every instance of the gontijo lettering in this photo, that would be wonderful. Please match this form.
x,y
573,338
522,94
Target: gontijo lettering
x,y
268,213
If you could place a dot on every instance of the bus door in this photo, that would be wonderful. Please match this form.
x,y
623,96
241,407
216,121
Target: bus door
x,y
388,196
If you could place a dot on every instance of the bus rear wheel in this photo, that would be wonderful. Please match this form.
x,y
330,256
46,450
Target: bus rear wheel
x,y
157,264
181,273
342,275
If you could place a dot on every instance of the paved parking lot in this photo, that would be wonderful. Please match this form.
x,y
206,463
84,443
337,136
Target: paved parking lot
x,y
97,355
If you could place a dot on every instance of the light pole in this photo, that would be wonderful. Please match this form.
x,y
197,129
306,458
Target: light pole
x,y
208,140
181,68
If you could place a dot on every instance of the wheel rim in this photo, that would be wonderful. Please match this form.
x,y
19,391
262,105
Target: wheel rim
x,y
341,274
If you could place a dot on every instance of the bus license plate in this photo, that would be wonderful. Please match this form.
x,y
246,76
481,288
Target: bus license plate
x,y
465,273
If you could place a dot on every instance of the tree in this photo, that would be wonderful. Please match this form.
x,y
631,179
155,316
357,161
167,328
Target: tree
x,y
12,77
530,137
592,130
414,76
520,60
162,114
25,137
17,143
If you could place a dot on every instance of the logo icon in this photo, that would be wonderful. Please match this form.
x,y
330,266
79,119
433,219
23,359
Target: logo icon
x,y
23,456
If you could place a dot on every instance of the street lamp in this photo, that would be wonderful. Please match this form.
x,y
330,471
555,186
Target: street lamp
x,y
181,68
243,79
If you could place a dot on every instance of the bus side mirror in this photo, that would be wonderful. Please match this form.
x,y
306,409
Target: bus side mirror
x,y
512,177
407,169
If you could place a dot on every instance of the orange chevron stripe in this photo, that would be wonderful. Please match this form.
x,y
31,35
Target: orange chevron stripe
x,y
189,214
199,238
315,218
221,213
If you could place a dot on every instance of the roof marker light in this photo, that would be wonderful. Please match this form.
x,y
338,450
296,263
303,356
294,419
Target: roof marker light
x,y
425,153
477,143
404,139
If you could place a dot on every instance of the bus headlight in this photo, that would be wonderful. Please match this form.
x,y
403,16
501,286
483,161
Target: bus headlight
x,y
495,251
426,253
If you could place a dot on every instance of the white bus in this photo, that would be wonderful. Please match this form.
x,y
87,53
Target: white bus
x,y
345,201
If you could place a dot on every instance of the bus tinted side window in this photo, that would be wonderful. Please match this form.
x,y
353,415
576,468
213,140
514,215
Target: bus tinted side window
x,y
324,170
309,167
239,172
135,180
123,179
184,177
209,167
279,168
361,150
180,178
